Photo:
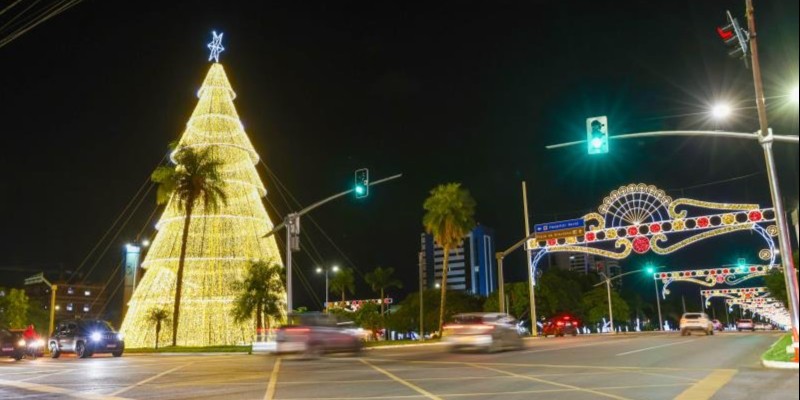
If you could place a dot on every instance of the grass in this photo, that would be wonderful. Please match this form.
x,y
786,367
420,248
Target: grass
x,y
778,350
182,349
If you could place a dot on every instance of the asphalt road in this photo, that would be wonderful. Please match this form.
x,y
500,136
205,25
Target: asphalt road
x,y
651,367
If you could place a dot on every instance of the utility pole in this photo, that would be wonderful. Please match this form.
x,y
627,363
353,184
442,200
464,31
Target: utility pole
x,y
501,282
766,139
658,305
421,297
531,278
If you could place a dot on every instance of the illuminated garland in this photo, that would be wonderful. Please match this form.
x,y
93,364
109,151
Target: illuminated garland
x,y
641,218
737,293
222,244
712,277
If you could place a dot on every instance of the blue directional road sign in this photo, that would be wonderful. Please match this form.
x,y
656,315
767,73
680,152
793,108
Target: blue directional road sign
x,y
560,229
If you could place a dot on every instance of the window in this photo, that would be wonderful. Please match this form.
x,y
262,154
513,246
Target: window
x,y
85,308
71,291
87,293
69,307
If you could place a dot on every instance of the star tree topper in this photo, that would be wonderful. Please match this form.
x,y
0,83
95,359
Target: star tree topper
x,y
215,46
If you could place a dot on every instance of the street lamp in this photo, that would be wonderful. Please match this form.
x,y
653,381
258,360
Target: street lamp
x,y
794,95
649,270
721,111
321,270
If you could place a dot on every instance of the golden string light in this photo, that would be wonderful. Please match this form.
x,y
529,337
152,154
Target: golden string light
x,y
222,243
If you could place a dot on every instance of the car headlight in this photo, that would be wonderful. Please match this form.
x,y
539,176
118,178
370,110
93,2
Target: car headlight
x,y
39,343
120,336
21,343
96,336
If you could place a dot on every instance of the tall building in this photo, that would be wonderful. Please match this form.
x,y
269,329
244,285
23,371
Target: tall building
x,y
585,263
471,266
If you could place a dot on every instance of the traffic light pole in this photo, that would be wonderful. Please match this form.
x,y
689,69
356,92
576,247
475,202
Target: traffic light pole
x,y
766,138
531,280
292,223
717,134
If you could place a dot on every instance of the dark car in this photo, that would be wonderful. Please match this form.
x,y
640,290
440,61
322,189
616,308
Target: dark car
x,y
313,334
14,345
561,325
85,338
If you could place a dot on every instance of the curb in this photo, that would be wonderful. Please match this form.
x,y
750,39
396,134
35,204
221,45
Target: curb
x,y
779,365
217,353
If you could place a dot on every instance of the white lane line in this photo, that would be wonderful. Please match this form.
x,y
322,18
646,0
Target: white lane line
x,y
273,380
402,381
45,375
654,347
152,378
35,387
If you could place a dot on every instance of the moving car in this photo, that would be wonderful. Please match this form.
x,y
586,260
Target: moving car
x,y
314,334
745,325
762,326
490,332
14,345
696,322
85,338
561,325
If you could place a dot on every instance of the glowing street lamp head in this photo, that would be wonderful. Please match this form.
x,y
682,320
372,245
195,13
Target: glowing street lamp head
x,y
335,268
319,270
721,111
794,95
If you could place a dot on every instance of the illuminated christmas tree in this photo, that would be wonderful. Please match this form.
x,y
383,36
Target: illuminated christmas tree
x,y
222,243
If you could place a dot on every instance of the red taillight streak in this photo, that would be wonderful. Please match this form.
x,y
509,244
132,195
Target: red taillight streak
x,y
297,330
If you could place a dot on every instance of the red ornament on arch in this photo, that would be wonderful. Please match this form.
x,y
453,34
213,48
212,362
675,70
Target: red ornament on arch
x,y
641,245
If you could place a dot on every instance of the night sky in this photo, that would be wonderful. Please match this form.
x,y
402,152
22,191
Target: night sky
x,y
442,93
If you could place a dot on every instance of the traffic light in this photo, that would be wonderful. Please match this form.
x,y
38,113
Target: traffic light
x,y
597,135
649,269
736,38
361,186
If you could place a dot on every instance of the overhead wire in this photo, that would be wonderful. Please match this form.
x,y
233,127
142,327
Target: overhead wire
x,y
51,12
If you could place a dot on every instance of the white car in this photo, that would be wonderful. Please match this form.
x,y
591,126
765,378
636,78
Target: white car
x,y
490,332
745,325
696,322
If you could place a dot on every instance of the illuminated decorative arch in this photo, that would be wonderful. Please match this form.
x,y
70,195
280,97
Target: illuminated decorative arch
x,y
641,218
712,277
751,293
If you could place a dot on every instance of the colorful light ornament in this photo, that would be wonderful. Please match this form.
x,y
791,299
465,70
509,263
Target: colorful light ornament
x,y
222,244
642,218
732,275
735,293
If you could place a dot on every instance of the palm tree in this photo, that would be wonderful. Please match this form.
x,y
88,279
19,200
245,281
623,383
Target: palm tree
x,y
449,216
260,293
381,279
343,282
158,316
195,178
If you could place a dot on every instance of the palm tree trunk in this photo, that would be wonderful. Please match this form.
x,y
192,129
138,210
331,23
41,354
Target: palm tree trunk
x,y
444,288
158,332
176,311
382,303
343,291
259,317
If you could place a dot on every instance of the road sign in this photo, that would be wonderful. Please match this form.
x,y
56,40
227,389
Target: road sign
x,y
36,279
560,229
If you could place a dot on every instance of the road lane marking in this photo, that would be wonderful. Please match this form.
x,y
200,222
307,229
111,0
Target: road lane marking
x,y
35,387
576,346
45,375
152,378
562,366
563,385
273,380
654,347
540,391
709,386
404,382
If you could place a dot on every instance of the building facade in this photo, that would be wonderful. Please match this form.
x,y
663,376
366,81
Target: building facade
x,y
73,300
471,267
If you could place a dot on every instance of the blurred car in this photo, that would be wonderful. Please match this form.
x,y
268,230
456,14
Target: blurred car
x,y
85,338
745,325
490,332
718,326
762,326
696,322
314,334
561,325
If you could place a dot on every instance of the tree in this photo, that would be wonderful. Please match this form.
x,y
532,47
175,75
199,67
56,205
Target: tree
x,y
775,282
518,300
381,279
406,318
14,308
261,294
595,305
158,316
195,178
343,282
449,216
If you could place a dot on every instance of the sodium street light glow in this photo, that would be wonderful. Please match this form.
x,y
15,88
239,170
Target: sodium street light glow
x,y
721,111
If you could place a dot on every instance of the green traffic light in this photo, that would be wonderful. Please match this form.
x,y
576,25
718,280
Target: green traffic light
x,y
359,189
649,270
597,143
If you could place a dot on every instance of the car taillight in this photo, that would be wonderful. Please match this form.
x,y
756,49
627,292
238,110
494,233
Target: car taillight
x,y
297,330
484,327
560,323
453,327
